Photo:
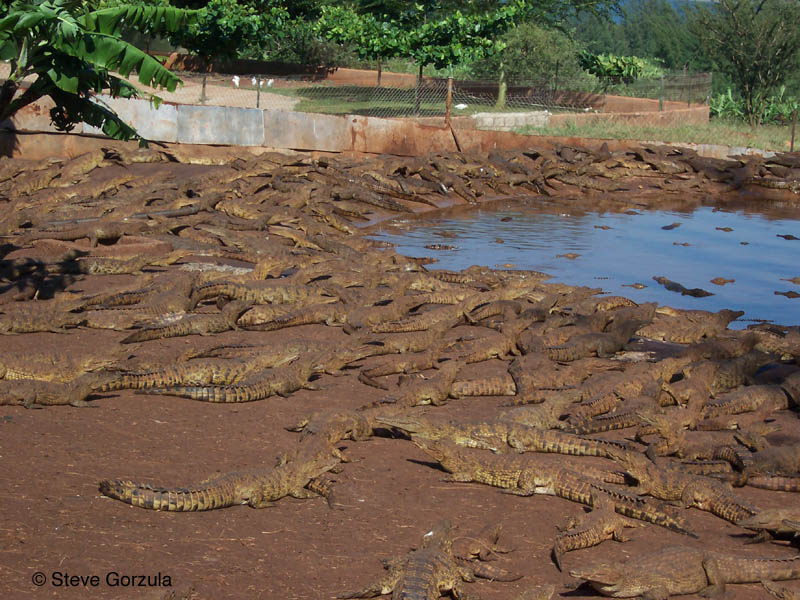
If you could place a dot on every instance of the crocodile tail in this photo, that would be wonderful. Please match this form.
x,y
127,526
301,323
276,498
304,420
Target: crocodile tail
x,y
144,335
144,495
780,483
490,386
203,393
655,516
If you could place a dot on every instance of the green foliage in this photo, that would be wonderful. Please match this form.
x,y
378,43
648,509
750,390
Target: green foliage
x,y
755,43
439,38
71,48
222,28
370,37
531,53
611,69
777,108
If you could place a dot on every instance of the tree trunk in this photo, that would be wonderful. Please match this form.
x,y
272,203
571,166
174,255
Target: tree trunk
x,y
206,67
502,87
380,71
417,92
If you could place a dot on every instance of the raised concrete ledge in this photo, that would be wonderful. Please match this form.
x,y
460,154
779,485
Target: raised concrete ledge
x,y
155,124
287,130
294,130
219,125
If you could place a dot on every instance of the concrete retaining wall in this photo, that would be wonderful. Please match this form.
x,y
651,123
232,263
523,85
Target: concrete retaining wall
x,y
215,125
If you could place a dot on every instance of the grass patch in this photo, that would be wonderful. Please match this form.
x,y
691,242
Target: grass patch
x,y
377,102
726,133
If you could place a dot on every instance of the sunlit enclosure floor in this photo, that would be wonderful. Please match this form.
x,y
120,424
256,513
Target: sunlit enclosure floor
x,y
187,334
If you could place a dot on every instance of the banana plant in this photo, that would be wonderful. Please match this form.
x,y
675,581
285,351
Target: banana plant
x,y
72,50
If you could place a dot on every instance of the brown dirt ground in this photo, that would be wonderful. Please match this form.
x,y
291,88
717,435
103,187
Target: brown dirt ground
x,y
54,520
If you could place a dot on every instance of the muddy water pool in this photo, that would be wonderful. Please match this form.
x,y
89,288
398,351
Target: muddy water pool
x,y
618,250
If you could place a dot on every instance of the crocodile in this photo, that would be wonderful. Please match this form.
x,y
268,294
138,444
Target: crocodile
x,y
754,398
260,292
481,545
772,521
96,231
36,393
687,327
602,345
280,381
335,426
545,415
677,570
416,391
415,341
525,475
500,346
55,315
225,320
780,591
208,371
105,265
405,363
601,524
533,439
328,313
494,435
57,365
491,435
656,478
771,468
500,385
428,572
257,489
534,374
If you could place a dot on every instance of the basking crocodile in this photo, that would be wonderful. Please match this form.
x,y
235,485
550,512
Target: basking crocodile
x,y
435,390
203,371
524,475
677,570
258,489
35,393
280,381
430,571
225,320
603,345
668,483
42,315
602,524
772,521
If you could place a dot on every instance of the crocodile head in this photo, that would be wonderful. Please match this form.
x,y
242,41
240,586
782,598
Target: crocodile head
x,y
432,448
605,578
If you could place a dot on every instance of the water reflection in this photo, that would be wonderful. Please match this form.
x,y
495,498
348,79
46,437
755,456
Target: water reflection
x,y
617,250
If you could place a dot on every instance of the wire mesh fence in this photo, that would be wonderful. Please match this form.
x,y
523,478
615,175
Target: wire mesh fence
x,y
403,98
429,98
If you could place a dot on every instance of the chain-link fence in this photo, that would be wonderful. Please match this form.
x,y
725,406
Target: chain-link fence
x,y
399,96
429,99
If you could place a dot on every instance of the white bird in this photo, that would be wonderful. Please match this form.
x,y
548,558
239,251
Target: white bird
x,y
235,80
254,81
270,82
261,83
460,106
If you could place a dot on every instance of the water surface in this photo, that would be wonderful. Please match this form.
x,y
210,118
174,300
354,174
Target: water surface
x,y
619,249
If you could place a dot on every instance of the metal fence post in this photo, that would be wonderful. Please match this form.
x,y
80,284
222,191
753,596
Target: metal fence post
x,y
794,126
258,94
661,97
449,101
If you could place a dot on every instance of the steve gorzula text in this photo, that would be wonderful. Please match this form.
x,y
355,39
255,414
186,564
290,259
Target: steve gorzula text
x,y
111,579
